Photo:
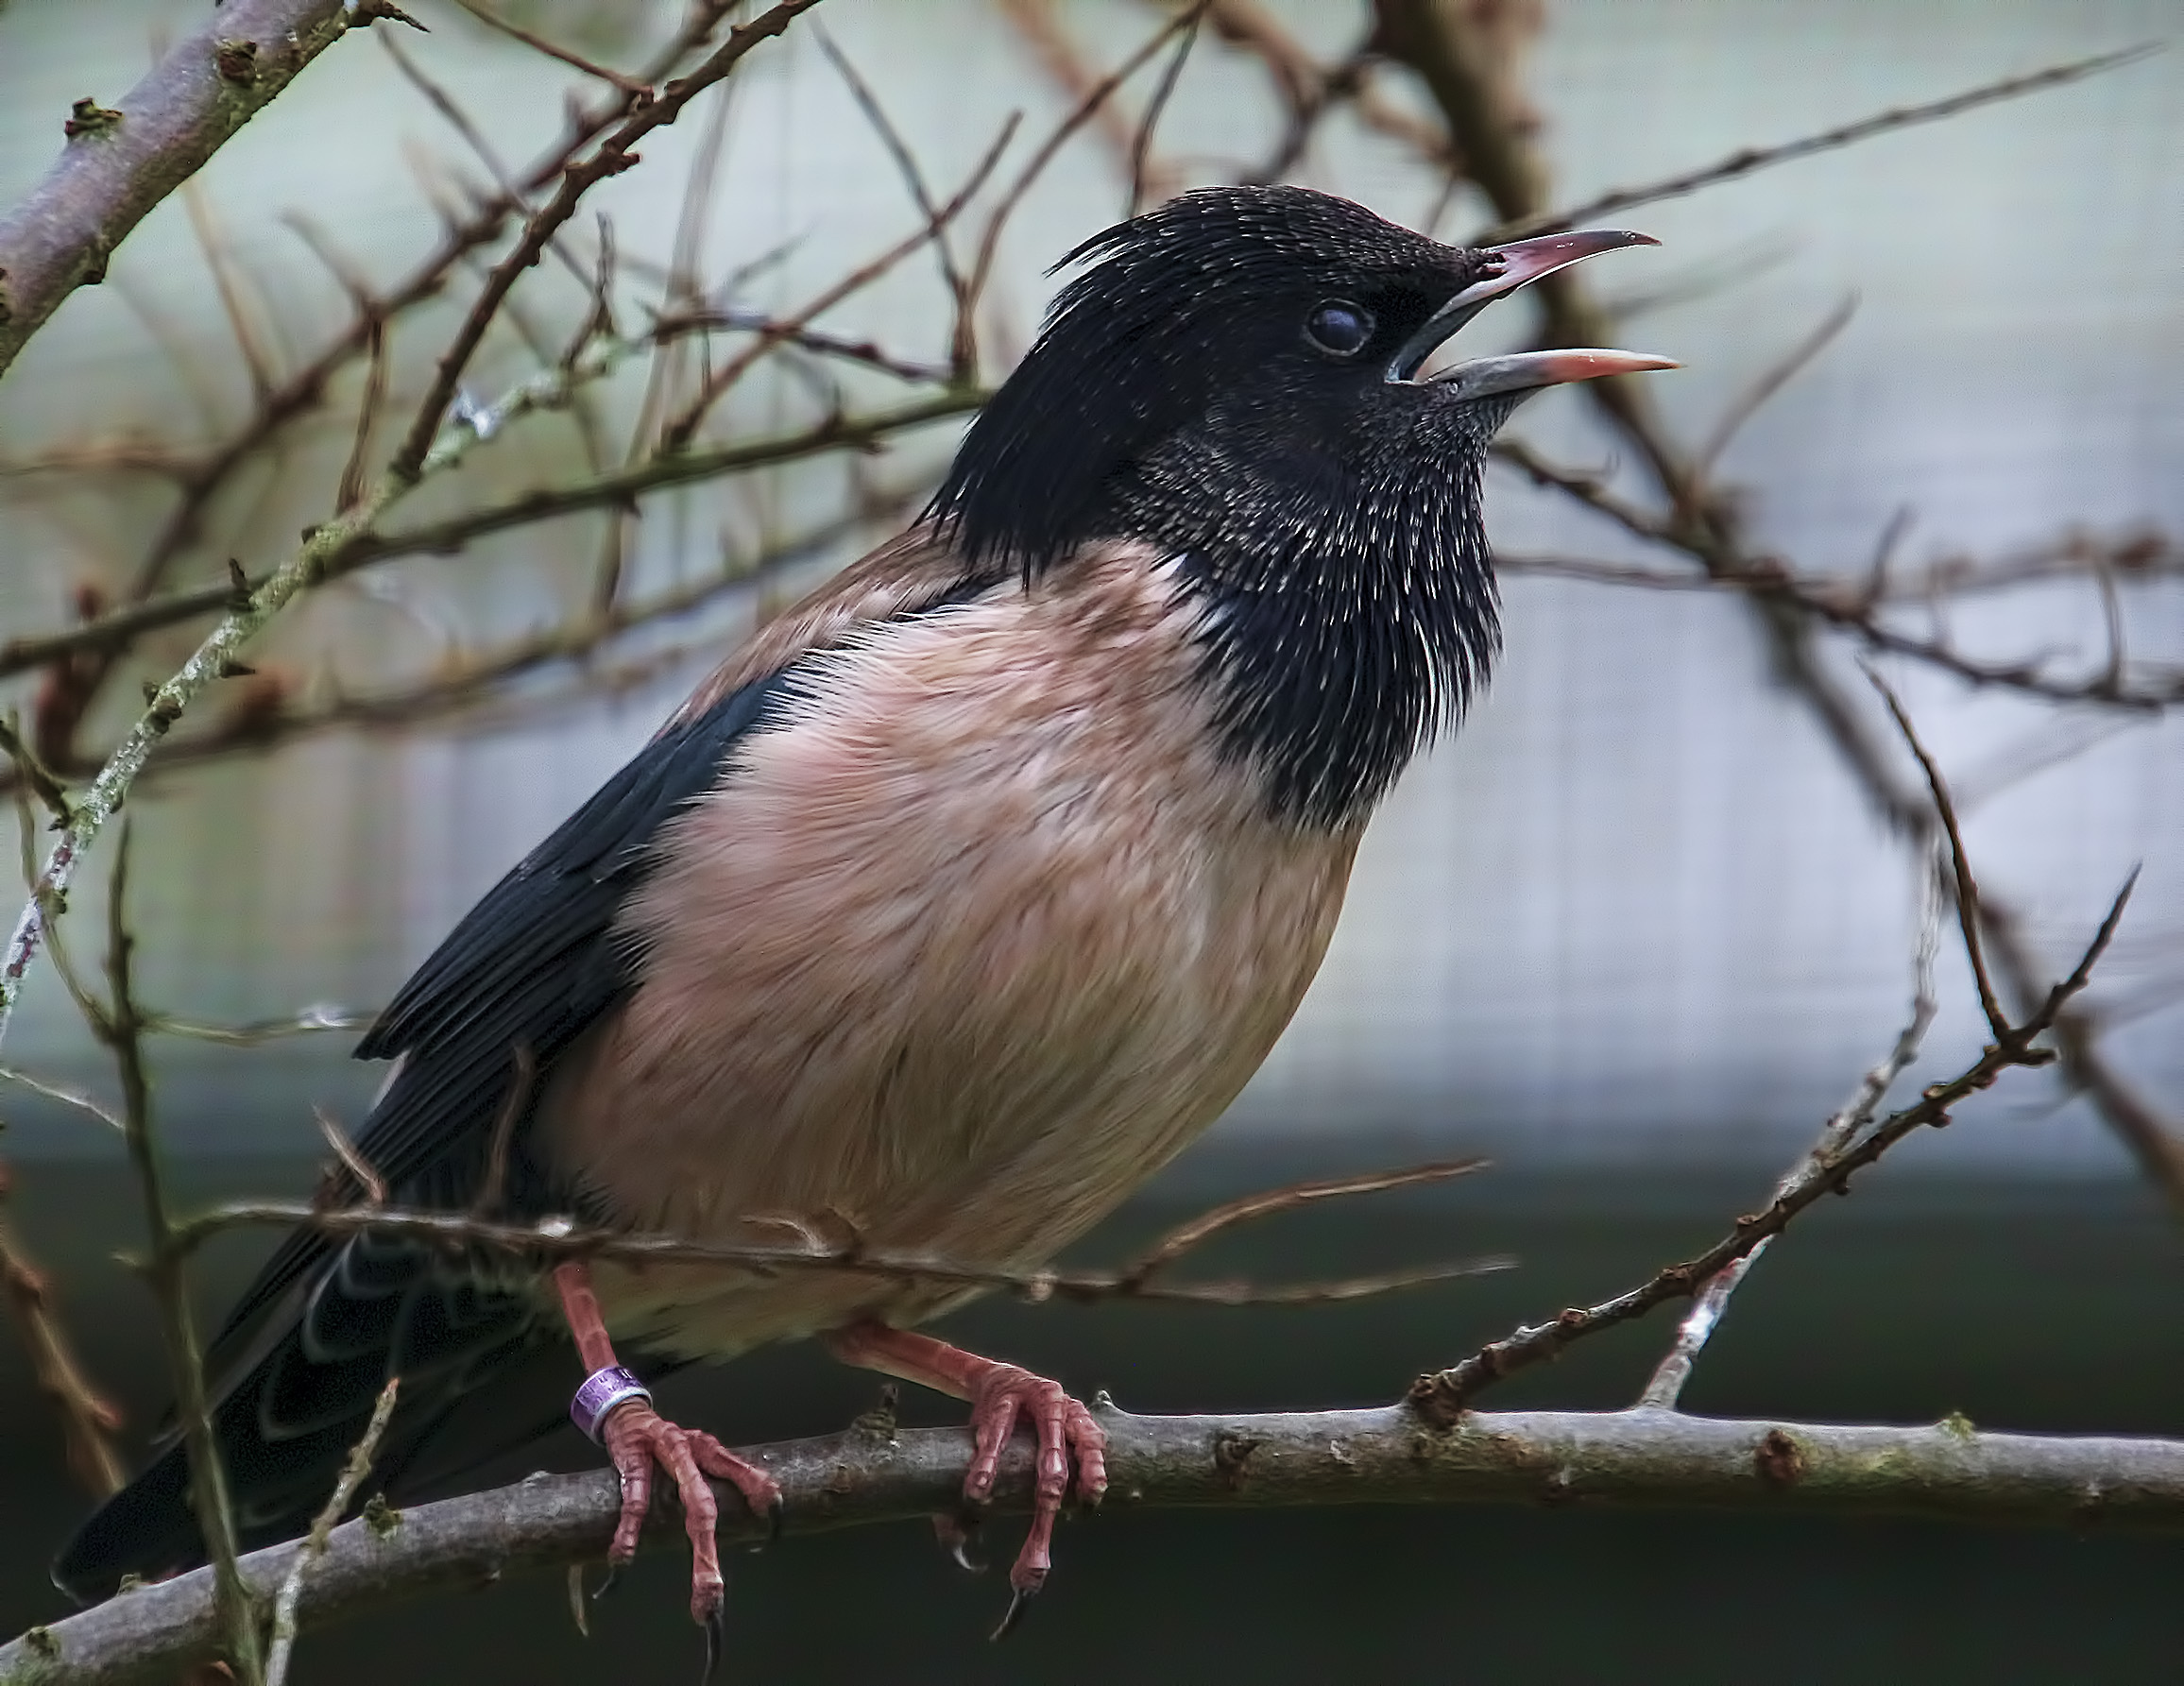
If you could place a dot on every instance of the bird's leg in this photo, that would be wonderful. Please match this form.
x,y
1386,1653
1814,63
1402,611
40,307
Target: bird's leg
x,y
996,1393
636,1437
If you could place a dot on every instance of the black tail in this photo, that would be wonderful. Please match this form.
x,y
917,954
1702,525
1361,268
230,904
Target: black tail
x,y
481,1375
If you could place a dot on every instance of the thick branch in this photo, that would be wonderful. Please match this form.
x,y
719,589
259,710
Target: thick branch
x,y
117,164
1629,1458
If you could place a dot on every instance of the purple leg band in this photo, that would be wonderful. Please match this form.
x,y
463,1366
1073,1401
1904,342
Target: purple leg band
x,y
601,1392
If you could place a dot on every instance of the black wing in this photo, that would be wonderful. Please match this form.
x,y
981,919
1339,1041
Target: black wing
x,y
534,965
306,1350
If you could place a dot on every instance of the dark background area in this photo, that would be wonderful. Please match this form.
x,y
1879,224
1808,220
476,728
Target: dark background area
x,y
2023,1307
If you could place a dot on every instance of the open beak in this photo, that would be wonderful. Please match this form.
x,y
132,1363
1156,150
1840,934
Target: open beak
x,y
1517,264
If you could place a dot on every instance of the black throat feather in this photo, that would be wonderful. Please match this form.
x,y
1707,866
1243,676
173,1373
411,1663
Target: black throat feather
x,y
1348,618
1349,605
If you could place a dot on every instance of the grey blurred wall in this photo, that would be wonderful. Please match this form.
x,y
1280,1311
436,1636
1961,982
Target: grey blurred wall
x,y
1637,908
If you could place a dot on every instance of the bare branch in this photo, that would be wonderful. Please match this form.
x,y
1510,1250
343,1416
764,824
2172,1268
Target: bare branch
x,y
367,1179
614,154
1666,1386
121,1030
816,1249
30,773
366,546
351,486
2151,1141
88,1422
538,43
1270,1461
1443,1397
215,658
64,1094
1772,381
1164,90
522,1079
117,166
1746,160
1960,863
1096,98
1202,1229
314,1546
675,437
905,164
1829,601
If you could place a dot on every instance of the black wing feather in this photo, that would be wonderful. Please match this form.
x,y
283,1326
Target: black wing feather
x,y
307,1348
535,964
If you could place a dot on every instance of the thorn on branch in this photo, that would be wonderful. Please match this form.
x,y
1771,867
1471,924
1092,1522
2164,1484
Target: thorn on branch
x,y
88,117
373,11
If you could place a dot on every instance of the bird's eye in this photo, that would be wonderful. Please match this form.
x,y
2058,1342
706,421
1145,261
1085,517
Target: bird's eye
x,y
1339,326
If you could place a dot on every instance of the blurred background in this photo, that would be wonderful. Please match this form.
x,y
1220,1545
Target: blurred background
x,y
1634,933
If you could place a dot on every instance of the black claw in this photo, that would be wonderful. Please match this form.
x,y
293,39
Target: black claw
x,y
1017,1600
775,1512
961,1551
606,1586
957,1535
716,1640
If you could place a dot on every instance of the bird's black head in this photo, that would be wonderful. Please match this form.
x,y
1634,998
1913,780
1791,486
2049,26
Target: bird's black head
x,y
1234,380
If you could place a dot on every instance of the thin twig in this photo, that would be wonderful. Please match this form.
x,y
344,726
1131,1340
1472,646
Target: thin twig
x,y
675,437
2152,1142
120,1028
1187,1236
375,377
455,686
227,286
905,161
87,1422
354,1162
451,111
1164,90
522,1077
345,1489
67,1096
1666,1386
1748,158
614,154
216,657
553,1239
1960,863
321,1016
1829,600
1771,380
738,319
30,772
493,20
620,487
1443,1397
965,353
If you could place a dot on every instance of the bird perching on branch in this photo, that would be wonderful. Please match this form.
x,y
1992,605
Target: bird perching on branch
x,y
953,905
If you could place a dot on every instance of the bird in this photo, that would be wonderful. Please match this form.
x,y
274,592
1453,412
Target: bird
x,y
956,902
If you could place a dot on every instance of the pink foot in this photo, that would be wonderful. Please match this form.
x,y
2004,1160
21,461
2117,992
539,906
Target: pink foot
x,y
998,1393
636,1437
1064,1429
